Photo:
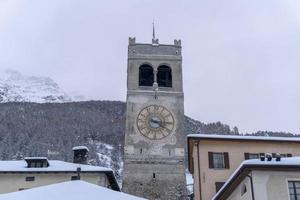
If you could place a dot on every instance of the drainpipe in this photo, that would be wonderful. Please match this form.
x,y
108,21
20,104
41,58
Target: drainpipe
x,y
199,177
252,190
78,172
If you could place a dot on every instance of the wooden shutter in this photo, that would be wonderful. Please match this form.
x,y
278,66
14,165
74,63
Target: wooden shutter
x,y
219,185
246,156
210,160
226,160
289,155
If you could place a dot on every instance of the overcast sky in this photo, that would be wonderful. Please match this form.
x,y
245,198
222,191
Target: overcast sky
x,y
241,58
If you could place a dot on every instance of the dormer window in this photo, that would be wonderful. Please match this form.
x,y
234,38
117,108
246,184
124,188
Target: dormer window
x,y
146,76
37,162
164,76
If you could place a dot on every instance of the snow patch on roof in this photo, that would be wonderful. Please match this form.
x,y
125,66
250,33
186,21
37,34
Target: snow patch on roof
x,y
244,137
35,158
75,190
79,148
54,166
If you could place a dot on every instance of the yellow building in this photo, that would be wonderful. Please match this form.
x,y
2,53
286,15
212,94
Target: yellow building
x,y
39,171
213,158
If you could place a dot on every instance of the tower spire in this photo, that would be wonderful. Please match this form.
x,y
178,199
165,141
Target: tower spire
x,y
153,31
154,40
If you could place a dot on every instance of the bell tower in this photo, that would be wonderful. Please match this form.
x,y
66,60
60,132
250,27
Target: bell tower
x,y
154,139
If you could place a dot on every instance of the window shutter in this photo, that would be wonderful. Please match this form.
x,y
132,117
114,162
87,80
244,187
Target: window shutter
x,y
289,155
246,156
210,160
219,185
226,160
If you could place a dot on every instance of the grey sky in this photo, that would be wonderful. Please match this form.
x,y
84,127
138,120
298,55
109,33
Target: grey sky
x,y
241,58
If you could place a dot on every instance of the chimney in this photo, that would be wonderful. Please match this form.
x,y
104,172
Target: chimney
x,y
80,154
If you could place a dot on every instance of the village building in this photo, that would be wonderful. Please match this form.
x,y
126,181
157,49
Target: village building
x,y
213,158
16,175
73,190
263,179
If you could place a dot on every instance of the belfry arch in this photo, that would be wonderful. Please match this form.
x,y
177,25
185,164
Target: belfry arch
x,y
146,75
164,76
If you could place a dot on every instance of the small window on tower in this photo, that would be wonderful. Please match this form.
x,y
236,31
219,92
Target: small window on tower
x,y
146,77
164,76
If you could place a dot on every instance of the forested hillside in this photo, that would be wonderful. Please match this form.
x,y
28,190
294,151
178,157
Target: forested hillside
x,y
52,129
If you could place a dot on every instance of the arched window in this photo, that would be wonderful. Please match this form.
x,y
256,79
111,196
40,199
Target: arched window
x,y
146,77
164,76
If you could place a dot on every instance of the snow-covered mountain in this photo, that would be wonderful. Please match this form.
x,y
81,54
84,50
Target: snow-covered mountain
x,y
16,87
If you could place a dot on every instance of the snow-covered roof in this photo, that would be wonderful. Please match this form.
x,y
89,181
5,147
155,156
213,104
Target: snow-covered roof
x,y
54,166
74,190
35,158
80,147
244,137
258,164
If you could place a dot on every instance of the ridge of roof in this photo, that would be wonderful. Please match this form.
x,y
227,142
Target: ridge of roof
x,y
243,137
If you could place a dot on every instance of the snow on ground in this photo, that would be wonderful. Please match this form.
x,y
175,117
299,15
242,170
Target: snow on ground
x,y
189,182
73,190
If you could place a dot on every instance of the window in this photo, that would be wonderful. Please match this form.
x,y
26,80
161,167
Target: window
x,y
251,156
29,178
244,190
219,185
294,190
146,77
74,178
164,76
218,160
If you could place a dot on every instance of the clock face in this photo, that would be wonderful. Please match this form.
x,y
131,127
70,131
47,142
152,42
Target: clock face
x,y
155,122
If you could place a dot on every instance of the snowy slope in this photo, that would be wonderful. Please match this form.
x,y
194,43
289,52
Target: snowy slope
x,y
15,87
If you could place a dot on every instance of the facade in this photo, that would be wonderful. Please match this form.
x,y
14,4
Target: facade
x,y
213,158
263,180
34,172
154,140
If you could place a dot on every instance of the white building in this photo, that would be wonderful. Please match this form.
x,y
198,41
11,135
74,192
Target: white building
x,y
268,179
73,190
39,171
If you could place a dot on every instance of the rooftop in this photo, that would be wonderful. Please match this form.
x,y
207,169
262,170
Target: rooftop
x,y
243,137
288,164
54,166
75,190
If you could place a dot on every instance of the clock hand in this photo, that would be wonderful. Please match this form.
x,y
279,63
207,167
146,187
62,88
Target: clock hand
x,y
155,121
